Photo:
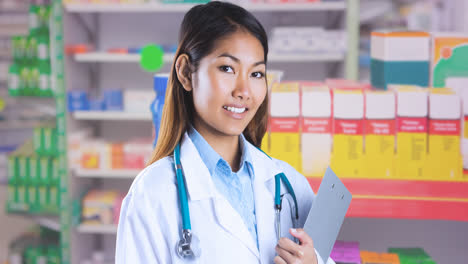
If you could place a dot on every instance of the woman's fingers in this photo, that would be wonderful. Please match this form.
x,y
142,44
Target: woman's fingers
x,y
286,255
293,248
279,260
303,237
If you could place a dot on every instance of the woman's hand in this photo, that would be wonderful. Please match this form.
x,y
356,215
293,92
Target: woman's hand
x,y
292,253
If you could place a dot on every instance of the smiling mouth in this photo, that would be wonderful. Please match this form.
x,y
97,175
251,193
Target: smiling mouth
x,y
235,109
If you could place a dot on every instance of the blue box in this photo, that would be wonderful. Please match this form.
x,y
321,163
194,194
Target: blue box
x,y
97,105
113,100
77,101
384,73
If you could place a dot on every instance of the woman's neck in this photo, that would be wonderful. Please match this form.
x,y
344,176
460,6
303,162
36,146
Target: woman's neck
x,y
225,145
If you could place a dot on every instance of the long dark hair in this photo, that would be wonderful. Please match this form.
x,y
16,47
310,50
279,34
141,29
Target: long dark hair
x,y
202,26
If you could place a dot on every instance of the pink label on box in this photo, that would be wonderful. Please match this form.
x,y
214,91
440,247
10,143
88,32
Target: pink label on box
x,y
444,127
380,127
348,127
284,125
412,124
316,125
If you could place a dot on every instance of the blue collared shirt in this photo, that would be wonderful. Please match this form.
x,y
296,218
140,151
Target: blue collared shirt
x,y
236,187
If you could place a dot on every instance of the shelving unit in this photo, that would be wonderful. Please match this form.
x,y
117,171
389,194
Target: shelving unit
x,y
111,115
97,229
123,174
400,199
166,8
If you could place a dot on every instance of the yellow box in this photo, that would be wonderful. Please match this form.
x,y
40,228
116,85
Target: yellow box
x,y
284,123
285,145
379,135
412,108
348,140
316,138
444,135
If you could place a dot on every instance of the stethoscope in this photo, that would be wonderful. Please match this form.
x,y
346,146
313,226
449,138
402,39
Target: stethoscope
x,y
188,246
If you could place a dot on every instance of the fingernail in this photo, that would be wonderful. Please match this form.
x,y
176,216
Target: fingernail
x,y
300,253
294,230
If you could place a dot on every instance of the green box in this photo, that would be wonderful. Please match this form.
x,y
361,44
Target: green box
x,y
50,141
23,169
42,198
43,53
14,84
53,197
53,255
34,81
45,81
45,170
12,194
34,171
412,255
55,176
22,43
32,196
38,140
33,19
25,82
13,169
31,48
43,15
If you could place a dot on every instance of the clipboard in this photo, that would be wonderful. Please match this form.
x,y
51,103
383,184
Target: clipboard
x,y
327,213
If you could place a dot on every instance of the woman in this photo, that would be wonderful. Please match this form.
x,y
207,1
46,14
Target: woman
x,y
216,107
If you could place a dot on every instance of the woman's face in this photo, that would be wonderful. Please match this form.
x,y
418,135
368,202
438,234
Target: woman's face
x,y
229,85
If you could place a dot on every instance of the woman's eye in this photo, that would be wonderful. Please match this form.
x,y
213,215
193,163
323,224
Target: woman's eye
x,y
258,75
226,68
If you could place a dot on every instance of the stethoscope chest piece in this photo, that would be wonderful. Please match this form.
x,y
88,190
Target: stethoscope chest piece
x,y
188,247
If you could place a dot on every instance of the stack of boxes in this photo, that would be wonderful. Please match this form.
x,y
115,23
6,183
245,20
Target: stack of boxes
x,y
33,177
396,54
406,132
30,73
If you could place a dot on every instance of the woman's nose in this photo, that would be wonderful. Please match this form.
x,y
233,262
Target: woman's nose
x,y
242,89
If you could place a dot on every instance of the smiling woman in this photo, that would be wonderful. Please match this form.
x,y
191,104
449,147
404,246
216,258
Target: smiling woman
x,y
206,43
207,171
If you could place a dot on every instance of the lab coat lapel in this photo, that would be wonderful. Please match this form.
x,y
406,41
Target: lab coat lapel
x,y
265,170
200,186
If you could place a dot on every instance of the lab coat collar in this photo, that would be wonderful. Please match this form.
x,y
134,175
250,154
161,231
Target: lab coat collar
x,y
197,176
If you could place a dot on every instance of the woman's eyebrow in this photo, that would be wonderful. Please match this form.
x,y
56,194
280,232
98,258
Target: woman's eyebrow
x,y
237,60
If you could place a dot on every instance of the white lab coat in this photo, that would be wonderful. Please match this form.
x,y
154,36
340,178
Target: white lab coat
x,y
150,221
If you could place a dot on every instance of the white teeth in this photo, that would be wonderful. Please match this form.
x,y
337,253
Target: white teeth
x,y
234,109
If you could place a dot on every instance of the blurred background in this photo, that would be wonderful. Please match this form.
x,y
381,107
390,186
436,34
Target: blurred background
x,y
374,88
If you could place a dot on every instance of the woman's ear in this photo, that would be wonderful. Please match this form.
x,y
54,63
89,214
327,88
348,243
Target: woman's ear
x,y
182,67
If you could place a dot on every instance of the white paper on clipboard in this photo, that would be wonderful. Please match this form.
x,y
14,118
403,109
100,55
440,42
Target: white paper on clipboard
x,y
327,213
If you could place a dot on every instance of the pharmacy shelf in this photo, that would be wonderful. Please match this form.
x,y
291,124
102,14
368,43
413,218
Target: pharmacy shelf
x,y
90,173
406,199
114,57
135,58
49,222
160,7
111,115
97,229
